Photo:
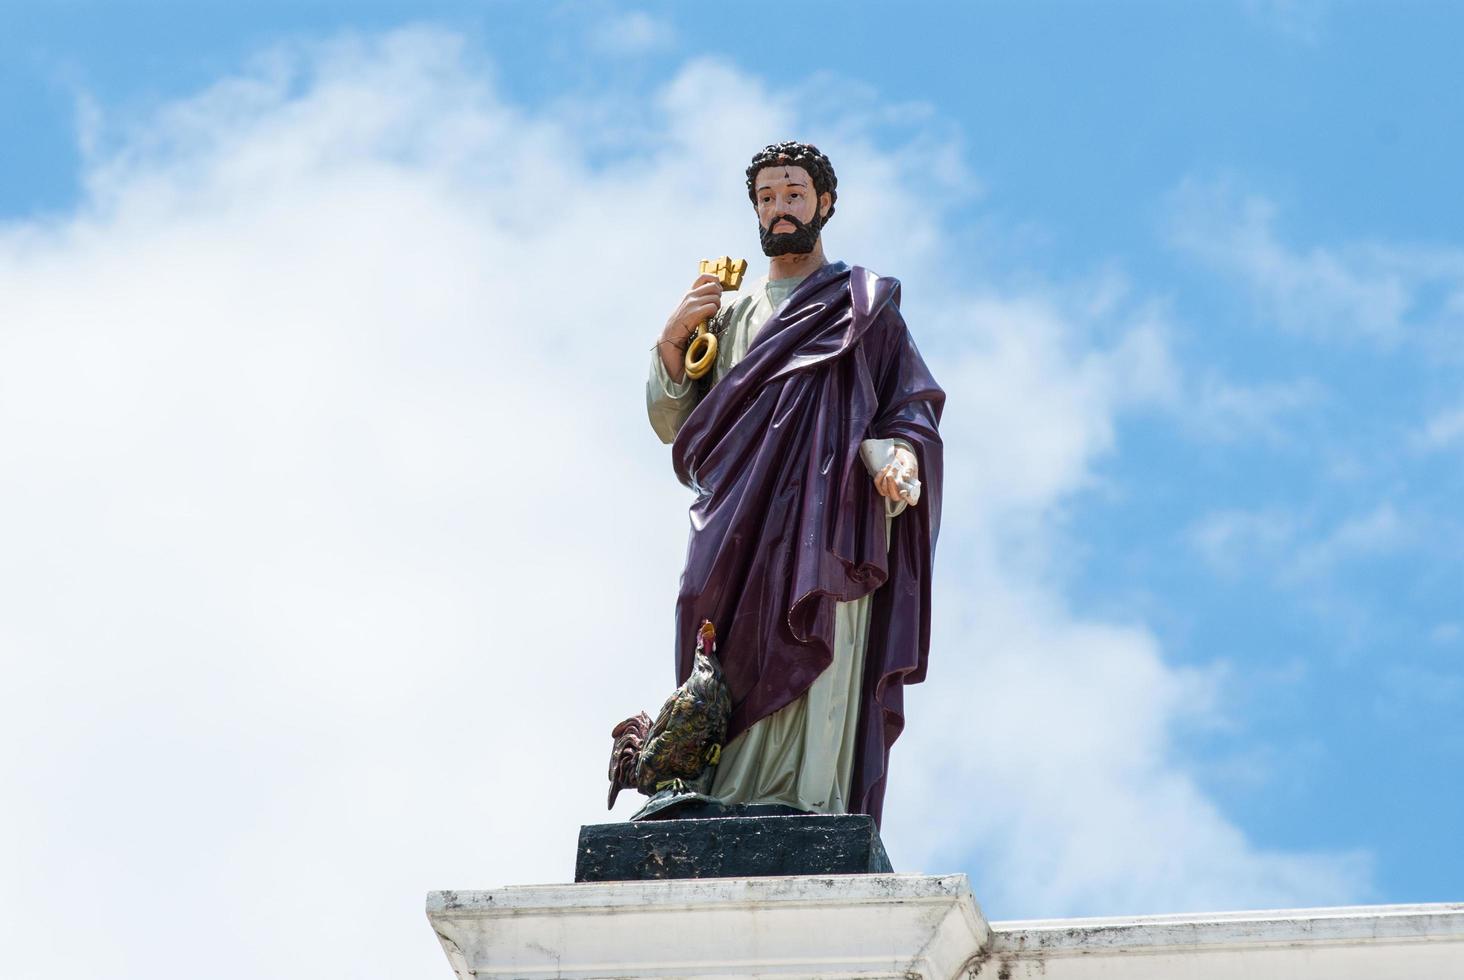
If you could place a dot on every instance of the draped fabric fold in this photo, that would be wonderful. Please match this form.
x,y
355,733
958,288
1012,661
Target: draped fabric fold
x,y
787,521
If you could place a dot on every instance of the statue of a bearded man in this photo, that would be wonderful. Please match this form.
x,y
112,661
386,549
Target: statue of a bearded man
x,y
814,453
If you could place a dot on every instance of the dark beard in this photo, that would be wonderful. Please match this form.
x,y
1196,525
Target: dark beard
x,y
798,242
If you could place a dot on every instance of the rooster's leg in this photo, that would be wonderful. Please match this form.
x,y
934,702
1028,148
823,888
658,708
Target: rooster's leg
x,y
702,784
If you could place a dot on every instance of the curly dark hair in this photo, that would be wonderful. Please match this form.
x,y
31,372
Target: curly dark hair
x,y
793,154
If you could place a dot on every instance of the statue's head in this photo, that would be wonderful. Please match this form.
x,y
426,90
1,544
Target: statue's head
x,y
793,188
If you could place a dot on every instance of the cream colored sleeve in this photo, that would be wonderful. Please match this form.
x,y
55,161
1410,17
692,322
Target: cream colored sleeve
x,y
667,403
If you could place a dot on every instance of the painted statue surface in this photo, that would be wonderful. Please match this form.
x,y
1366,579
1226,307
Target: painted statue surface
x,y
813,448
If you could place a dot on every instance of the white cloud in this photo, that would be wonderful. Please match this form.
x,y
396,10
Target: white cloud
x,y
1061,788
1226,411
1232,541
1300,19
336,540
631,33
1379,293
1378,531
1444,430
1290,547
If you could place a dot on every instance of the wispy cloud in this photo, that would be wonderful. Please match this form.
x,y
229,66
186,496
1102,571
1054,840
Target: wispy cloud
x,y
1374,292
631,33
1234,540
1378,531
1282,546
1300,19
1444,430
1227,411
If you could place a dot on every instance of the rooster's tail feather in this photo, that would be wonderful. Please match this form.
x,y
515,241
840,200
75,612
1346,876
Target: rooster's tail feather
x,y
630,736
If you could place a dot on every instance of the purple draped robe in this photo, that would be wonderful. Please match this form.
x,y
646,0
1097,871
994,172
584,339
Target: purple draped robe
x,y
787,520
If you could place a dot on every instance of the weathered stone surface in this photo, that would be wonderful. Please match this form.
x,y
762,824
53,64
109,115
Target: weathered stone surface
x,y
1378,942
730,847
873,927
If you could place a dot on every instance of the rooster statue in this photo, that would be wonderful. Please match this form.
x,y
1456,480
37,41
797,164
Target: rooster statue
x,y
681,749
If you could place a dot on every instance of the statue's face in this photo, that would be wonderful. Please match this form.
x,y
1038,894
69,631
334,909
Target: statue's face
x,y
789,213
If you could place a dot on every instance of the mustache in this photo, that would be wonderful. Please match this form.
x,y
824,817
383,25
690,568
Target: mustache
x,y
799,226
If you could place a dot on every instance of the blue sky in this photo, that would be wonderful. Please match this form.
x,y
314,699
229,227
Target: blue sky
x,y
1193,277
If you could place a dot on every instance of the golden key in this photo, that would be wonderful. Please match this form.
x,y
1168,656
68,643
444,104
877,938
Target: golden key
x,y
701,352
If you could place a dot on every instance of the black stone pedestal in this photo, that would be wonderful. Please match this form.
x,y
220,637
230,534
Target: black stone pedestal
x,y
730,847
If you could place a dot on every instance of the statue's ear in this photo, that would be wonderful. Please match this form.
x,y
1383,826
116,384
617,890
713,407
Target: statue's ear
x,y
825,201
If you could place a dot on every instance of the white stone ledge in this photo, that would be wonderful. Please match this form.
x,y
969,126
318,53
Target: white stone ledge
x,y
1356,924
890,927
1384,942
788,892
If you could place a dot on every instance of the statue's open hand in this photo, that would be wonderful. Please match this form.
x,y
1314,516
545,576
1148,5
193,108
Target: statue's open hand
x,y
900,479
